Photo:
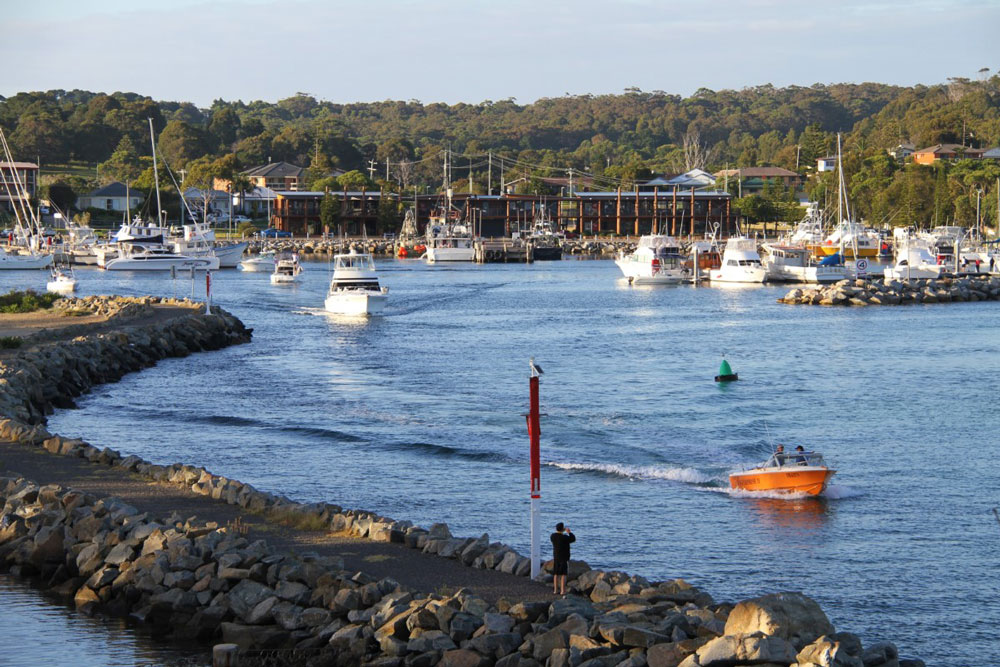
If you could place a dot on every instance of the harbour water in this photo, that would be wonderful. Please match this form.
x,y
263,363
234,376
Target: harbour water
x,y
418,415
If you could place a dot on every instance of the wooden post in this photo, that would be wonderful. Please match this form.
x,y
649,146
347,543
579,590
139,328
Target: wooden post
x,y
673,215
506,218
225,655
618,213
636,210
655,227
708,214
691,229
729,215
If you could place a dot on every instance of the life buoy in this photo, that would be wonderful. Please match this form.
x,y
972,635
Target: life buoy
x,y
656,265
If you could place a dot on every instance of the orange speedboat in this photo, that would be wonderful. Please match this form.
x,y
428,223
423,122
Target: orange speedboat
x,y
786,472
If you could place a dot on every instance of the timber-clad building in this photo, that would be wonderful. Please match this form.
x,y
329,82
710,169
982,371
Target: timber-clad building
x,y
621,212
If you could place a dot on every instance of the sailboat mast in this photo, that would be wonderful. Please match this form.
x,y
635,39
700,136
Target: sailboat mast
x,y
156,177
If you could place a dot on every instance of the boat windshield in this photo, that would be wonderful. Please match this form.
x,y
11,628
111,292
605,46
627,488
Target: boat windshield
x,y
354,262
794,458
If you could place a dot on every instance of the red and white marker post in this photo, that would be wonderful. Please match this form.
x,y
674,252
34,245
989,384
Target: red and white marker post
x,y
534,433
208,292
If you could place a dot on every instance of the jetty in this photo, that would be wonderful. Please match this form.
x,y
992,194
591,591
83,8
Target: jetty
x,y
959,288
201,557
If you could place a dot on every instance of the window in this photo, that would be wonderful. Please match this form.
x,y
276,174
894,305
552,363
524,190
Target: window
x,y
109,204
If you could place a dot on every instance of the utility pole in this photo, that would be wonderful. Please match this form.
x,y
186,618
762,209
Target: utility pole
x,y
371,169
387,170
503,190
571,181
470,175
489,176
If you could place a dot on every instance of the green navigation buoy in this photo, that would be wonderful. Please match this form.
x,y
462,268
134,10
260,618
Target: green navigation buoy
x,y
726,373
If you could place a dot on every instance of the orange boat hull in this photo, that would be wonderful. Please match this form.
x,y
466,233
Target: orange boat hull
x,y
810,481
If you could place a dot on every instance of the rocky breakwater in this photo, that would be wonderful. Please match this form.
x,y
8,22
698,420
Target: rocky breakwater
x,y
56,365
321,246
200,581
898,292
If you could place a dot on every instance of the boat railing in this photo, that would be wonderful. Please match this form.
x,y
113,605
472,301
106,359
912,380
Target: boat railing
x,y
785,459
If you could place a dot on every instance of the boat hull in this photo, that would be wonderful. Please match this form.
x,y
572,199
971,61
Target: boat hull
x,y
230,255
450,255
283,279
742,274
257,265
60,286
22,262
786,479
356,302
162,264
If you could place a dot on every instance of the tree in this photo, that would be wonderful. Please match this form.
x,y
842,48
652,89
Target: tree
x,y
224,127
39,136
319,168
123,165
354,180
179,143
329,212
756,208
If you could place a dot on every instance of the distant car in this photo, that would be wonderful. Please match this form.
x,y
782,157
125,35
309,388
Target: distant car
x,y
241,219
272,233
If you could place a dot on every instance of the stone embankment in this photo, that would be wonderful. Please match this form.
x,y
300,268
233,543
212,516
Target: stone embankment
x,y
898,292
205,581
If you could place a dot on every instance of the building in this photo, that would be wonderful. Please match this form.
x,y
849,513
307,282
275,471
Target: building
x,y
752,180
620,212
298,212
903,151
992,154
217,201
14,177
282,176
950,152
828,163
695,178
112,197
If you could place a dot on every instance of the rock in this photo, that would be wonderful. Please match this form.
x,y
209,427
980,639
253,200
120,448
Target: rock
x,y
791,616
249,637
246,595
827,652
119,554
881,654
745,649
546,642
497,623
666,655
527,611
560,609
261,613
432,640
462,658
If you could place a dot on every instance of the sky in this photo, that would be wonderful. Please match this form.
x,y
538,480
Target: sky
x,y
477,50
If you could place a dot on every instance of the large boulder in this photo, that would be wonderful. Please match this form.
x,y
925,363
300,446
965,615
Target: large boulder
x,y
790,616
743,649
827,651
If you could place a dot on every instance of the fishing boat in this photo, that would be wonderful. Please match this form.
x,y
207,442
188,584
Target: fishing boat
x,y
286,269
546,243
915,259
354,289
63,281
198,240
656,260
740,263
448,238
793,263
786,472
262,263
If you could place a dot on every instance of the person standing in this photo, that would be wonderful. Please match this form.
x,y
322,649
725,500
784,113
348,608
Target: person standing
x,y
561,539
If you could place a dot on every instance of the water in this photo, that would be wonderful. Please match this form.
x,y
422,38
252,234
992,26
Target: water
x,y
418,415
41,631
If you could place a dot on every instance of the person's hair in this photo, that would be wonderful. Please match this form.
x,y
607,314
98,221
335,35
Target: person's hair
x,y
800,448
559,526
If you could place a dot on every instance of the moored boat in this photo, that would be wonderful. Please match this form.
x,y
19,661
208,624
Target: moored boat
x,y
792,263
354,289
262,263
740,263
157,258
786,472
656,261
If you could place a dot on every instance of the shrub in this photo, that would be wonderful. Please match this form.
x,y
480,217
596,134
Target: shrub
x,y
10,342
27,301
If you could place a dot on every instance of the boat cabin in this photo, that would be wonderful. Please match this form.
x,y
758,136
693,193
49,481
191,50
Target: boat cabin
x,y
793,458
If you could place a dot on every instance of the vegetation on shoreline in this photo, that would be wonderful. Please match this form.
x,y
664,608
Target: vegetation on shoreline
x,y
613,140
26,301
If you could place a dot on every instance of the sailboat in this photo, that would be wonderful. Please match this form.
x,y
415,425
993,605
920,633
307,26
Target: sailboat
x,y
25,219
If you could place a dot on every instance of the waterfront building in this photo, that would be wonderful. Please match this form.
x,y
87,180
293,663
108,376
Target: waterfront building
x,y
15,175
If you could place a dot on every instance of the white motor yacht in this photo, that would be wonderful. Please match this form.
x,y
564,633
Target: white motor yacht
x,y
157,258
449,243
63,281
198,240
286,269
262,263
656,261
740,263
792,263
354,289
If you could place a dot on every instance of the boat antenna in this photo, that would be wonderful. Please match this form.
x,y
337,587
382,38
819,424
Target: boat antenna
x,y
770,440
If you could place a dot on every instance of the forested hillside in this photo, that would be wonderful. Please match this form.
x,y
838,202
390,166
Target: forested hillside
x,y
615,139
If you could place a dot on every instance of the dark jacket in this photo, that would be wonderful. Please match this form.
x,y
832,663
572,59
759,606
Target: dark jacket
x,y
560,545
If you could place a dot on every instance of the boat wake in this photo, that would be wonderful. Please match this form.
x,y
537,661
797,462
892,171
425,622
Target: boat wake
x,y
838,492
833,492
640,472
